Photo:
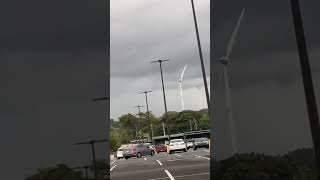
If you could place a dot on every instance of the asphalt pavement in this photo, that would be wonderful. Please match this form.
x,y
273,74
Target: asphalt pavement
x,y
193,164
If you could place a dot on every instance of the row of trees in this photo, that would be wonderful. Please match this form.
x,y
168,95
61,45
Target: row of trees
x,y
130,126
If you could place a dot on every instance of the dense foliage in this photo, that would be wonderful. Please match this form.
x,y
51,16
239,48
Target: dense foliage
x,y
130,126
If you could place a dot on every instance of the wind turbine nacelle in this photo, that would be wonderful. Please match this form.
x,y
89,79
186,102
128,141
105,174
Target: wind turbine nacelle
x,y
224,60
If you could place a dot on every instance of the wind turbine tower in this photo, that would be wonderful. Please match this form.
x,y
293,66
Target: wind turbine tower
x,y
180,87
225,61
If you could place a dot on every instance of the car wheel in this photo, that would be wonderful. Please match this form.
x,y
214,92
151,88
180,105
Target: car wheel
x,y
170,152
188,148
184,150
152,153
194,148
139,155
118,158
126,158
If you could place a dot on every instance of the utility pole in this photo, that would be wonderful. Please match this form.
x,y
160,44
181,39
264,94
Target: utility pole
x,y
190,125
92,142
201,58
152,131
140,119
307,81
164,96
195,123
148,115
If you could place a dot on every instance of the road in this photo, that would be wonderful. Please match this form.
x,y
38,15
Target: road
x,y
178,166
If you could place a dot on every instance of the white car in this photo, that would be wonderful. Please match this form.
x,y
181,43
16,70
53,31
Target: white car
x,y
176,145
120,153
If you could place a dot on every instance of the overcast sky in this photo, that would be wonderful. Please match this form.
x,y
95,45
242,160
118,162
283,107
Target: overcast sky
x,y
142,31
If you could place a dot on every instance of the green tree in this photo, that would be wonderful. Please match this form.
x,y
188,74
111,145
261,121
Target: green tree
x,y
128,123
115,141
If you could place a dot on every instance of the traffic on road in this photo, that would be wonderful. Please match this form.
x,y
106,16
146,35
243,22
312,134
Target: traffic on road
x,y
172,161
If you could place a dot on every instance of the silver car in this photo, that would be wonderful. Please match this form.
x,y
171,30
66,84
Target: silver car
x,y
137,150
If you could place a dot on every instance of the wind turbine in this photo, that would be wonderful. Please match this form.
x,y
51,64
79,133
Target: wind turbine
x,y
180,87
226,63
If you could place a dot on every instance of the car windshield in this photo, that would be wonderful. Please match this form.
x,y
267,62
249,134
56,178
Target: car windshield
x,y
176,141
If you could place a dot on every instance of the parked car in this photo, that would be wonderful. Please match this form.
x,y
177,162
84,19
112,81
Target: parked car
x,y
161,148
189,143
120,153
137,150
200,142
176,145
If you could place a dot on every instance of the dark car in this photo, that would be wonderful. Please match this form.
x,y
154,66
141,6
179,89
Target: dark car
x,y
161,148
200,142
137,150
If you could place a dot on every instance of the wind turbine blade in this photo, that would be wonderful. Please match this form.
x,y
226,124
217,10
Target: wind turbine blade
x,y
234,34
183,72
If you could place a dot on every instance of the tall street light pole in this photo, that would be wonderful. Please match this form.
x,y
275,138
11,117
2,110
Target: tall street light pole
x,y
200,54
307,81
140,119
92,142
148,116
164,96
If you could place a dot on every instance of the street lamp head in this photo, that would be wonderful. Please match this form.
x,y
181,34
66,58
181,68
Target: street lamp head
x,y
160,60
145,92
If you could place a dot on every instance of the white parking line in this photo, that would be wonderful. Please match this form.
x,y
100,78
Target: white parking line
x,y
169,175
177,155
113,168
205,150
192,175
189,175
145,158
203,157
160,163
174,159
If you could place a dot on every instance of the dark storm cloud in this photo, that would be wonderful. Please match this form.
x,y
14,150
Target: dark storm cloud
x,y
267,91
165,33
52,25
53,62
266,47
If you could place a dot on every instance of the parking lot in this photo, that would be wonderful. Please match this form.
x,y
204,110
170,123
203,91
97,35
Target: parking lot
x,y
180,165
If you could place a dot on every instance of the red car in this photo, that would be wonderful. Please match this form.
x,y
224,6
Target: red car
x,y
161,148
